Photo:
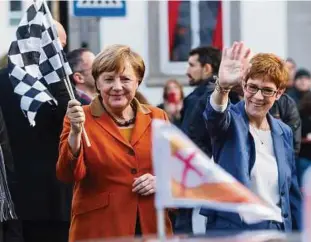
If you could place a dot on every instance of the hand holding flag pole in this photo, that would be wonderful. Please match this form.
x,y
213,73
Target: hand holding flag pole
x,y
66,79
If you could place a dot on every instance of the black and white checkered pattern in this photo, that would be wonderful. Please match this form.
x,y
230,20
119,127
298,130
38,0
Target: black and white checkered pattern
x,y
36,59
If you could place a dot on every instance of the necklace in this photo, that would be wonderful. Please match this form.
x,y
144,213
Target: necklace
x,y
125,123
257,134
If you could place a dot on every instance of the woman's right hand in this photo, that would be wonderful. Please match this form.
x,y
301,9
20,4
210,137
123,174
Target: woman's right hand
x,y
234,64
76,116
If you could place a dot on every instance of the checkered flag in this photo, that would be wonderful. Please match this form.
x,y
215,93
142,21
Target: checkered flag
x,y
36,59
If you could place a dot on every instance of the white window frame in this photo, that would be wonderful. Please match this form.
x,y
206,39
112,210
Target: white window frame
x,y
179,67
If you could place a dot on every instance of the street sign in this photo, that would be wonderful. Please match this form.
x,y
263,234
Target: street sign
x,y
99,8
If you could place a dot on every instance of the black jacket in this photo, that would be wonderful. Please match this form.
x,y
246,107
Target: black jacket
x,y
207,86
175,121
286,109
193,123
40,196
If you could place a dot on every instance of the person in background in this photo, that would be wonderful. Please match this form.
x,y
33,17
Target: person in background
x,y
10,227
286,110
42,202
250,144
302,85
114,185
80,61
304,160
292,67
203,64
4,61
173,96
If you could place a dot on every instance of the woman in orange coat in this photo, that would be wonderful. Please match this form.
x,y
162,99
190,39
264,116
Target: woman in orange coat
x,y
113,179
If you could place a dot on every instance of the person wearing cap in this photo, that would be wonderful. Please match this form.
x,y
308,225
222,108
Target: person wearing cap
x,y
302,85
114,182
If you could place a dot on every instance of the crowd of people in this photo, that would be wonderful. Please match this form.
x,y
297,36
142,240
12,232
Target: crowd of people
x,y
250,114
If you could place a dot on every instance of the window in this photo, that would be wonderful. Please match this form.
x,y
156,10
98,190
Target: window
x,y
15,6
15,9
185,25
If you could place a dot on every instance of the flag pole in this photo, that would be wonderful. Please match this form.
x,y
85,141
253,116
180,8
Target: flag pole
x,y
160,224
66,80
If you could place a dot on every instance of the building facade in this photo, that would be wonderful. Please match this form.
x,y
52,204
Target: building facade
x,y
281,27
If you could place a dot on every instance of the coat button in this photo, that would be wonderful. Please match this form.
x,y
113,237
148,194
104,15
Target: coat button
x,y
134,171
282,193
285,215
131,152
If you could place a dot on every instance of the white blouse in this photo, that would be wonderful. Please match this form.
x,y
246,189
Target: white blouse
x,y
264,174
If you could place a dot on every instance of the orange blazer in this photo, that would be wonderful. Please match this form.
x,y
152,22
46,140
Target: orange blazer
x,y
103,202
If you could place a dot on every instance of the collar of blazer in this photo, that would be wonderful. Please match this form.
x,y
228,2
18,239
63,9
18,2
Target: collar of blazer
x,y
279,140
97,109
142,123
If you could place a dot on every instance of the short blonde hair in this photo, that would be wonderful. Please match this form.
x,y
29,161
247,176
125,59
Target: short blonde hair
x,y
113,58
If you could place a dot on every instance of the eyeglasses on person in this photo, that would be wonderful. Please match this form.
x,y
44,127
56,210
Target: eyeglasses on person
x,y
253,89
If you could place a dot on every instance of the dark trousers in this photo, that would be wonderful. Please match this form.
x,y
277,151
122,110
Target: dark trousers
x,y
45,231
11,231
182,223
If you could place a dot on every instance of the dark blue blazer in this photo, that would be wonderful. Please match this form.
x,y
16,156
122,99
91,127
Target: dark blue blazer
x,y
234,150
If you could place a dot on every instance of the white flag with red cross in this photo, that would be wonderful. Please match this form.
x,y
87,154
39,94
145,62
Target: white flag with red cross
x,y
186,177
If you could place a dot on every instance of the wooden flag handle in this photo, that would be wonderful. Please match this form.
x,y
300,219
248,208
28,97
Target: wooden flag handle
x,y
66,79
86,138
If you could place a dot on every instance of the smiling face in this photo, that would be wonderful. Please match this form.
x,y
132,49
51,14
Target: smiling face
x,y
264,83
118,89
117,72
258,104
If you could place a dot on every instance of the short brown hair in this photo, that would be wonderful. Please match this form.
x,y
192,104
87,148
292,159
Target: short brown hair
x,y
270,68
166,88
112,59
